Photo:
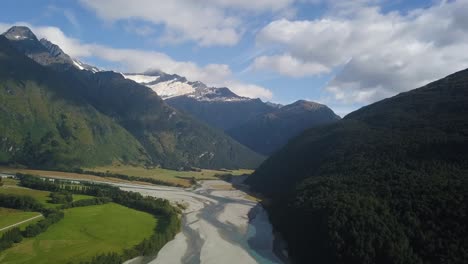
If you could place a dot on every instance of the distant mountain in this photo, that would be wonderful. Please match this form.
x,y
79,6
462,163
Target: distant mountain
x,y
218,107
169,138
263,127
386,184
268,132
274,105
172,85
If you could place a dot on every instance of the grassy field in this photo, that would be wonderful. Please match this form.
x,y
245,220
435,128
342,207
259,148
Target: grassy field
x,y
11,216
77,197
83,233
59,174
10,186
172,176
41,196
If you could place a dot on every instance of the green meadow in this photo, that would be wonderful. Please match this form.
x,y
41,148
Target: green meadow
x,y
171,176
11,187
83,233
10,217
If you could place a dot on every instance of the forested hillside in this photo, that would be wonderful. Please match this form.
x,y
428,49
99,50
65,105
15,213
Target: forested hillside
x,y
266,133
221,114
387,184
43,125
126,122
172,139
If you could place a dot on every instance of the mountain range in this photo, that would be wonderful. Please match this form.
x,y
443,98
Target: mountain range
x,y
262,126
386,184
55,106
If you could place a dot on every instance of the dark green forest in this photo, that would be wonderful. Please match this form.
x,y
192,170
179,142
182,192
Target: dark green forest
x,y
387,184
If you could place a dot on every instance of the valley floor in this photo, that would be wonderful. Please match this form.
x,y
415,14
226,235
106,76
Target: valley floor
x,y
220,225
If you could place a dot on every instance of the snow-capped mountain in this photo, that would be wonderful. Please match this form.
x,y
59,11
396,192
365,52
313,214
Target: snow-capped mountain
x,y
173,85
219,107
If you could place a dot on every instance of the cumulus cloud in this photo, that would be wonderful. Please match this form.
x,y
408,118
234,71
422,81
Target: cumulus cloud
x,y
379,54
248,90
134,60
207,22
289,65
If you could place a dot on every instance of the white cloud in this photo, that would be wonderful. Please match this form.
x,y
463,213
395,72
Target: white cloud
x,y
380,54
53,10
258,5
289,65
248,90
133,60
207,22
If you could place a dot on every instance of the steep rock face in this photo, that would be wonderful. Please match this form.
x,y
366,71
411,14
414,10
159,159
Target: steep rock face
x,y
172,139
268,132
20,33
26,42
386,184
43,51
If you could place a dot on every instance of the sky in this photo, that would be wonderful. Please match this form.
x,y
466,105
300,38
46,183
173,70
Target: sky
x,y
345,54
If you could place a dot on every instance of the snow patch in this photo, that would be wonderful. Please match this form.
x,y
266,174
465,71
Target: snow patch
x,y
169,86
140,78
78,65
171,89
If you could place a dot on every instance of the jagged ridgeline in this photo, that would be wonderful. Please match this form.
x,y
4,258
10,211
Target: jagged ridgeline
x,y
145,130
386,184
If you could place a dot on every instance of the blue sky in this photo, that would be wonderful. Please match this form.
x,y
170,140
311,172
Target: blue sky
x,y
345,54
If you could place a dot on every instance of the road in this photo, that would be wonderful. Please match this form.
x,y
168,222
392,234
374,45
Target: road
x,y
22,222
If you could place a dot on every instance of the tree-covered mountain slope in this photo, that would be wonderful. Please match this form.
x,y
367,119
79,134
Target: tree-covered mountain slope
x,y
224,115
268,132
42,125
386,184
170,138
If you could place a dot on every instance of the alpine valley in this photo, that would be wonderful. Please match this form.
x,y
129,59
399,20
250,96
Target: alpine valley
x,y
155,161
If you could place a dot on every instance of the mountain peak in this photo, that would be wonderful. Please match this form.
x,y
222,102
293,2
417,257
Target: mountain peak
x,y
19,33
304,104
54,50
